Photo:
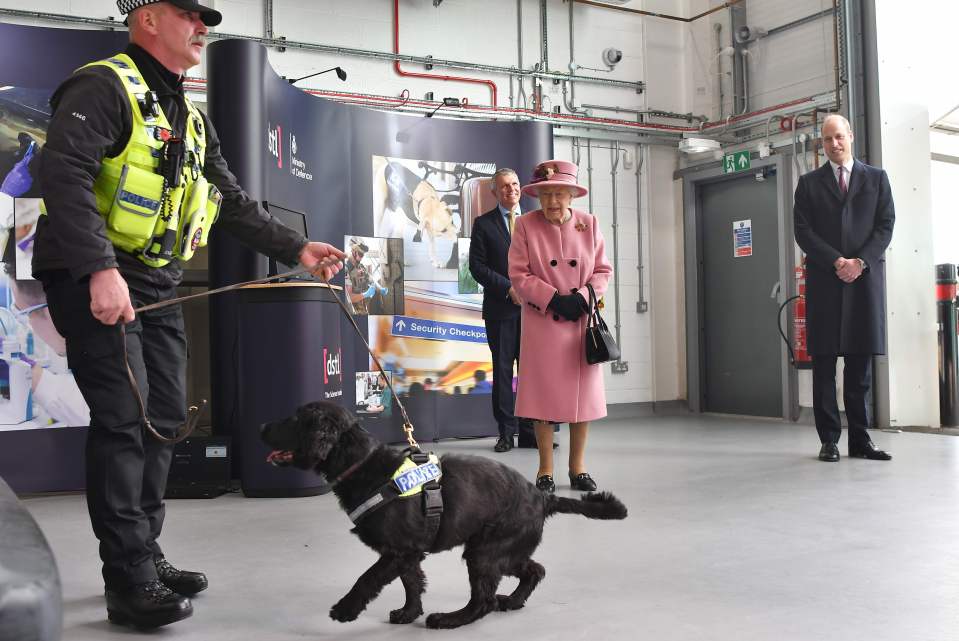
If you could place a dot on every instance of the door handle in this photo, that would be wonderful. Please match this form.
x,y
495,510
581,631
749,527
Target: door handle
x,y
776,291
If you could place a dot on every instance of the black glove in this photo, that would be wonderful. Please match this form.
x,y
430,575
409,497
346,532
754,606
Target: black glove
x,y
569,306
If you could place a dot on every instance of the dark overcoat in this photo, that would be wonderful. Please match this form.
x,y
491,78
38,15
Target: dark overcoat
x,y
489,247
845,318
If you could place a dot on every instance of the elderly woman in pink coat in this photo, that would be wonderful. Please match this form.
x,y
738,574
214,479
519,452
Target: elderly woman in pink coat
x,y
555,251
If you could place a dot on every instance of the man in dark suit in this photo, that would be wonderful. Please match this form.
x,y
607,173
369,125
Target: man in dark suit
x,y
844,217
489,247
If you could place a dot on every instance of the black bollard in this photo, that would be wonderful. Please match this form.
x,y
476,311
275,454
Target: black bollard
x,y
948,344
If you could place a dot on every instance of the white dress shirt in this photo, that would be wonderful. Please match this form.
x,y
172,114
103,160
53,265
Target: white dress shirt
x,y
847,166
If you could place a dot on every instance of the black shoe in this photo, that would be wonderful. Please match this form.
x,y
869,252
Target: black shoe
x,y
545,484
829,453
582,482
869,451
180,581
147,605
503,444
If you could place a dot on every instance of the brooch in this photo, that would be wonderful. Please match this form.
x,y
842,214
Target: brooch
x,y
545,173
581,226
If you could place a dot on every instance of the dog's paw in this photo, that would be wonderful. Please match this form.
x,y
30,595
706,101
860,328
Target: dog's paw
x,y
345,611
402,615
505,603
442,620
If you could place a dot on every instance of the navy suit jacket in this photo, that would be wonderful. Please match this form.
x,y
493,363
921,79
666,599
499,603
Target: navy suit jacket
x,y
489,264
845,318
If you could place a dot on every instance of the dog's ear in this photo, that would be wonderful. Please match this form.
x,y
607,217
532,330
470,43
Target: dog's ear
x,y
324,423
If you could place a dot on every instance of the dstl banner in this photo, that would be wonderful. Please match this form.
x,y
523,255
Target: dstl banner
x,y
400,194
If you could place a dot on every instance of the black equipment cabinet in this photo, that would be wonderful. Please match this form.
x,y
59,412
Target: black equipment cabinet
x,y
288,353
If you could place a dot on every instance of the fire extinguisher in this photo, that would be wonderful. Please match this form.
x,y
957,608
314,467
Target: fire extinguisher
x,y
799,348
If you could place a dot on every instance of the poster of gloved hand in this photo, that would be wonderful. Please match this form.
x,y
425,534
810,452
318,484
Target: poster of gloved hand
x,y
374,275
37,389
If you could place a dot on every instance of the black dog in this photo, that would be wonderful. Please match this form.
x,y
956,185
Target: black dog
x,y
489,508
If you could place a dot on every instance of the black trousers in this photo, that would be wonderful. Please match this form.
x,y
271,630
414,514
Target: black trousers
x,y
126,468
857,385
503,338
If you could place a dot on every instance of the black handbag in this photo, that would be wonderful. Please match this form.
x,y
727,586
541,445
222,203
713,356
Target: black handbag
x,y
600,346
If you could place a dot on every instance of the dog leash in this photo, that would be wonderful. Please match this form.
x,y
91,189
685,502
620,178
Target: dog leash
x,y
194,412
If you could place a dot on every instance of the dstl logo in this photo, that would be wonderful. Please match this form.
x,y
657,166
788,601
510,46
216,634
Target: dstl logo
x,y
332,367
274,136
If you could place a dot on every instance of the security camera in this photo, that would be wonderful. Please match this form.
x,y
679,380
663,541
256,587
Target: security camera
x,y
746,34
612,56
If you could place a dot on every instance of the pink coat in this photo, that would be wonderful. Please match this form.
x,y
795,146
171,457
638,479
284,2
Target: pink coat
x,y
555,381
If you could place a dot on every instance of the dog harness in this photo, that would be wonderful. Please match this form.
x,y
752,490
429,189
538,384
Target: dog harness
x,y
419,474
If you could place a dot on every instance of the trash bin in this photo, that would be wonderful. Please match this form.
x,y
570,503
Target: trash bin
x,y
946,308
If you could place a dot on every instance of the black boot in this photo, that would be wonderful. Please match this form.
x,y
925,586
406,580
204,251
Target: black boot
x,y
180,581
147,605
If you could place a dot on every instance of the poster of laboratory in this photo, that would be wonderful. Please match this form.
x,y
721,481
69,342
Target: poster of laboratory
x,y
373,395
37,389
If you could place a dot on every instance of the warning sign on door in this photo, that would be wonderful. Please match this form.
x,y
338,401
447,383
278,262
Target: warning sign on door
x,y
742,238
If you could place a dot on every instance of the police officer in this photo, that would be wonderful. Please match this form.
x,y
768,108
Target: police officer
x,y
133,179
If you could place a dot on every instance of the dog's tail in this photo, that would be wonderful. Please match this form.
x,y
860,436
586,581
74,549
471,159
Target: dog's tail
x,y
594,505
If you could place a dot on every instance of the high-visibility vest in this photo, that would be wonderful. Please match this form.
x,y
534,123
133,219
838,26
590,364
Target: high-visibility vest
x,y
156,217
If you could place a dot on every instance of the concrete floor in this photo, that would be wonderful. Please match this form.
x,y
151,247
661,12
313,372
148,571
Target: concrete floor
x,y
736,532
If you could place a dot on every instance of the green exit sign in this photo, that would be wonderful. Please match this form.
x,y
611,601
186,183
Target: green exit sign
x,y
738,161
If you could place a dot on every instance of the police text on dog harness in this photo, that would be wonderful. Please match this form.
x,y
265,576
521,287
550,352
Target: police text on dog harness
x,y
417,474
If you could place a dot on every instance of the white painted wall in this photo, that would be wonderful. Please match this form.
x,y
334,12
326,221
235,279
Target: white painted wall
x,y
903,89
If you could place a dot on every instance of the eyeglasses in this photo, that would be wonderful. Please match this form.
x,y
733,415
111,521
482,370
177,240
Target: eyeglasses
x,y
23,314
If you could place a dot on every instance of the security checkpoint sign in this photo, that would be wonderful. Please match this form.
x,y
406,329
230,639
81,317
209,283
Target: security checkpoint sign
x,y
738,161
436,330
742,238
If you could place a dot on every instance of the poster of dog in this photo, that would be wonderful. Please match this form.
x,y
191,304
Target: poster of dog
x,y
421,201
374,280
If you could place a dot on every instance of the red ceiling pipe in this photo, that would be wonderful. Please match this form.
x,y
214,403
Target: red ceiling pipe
x,y
410,74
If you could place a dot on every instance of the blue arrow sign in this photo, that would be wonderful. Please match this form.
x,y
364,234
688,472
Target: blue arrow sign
x,y
436,330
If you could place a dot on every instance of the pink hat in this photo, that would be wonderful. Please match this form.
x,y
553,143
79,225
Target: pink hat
x,y
555,173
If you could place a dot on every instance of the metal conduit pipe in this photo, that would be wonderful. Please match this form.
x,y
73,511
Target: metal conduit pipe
x,y
571,103
432,76
637,86
659,113
664,16
613,171
743,57
521,94
746,121
268,19
835,51
589,172
718,28
801,21
544,39
642,305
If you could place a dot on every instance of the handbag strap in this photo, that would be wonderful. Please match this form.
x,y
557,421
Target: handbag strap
x,y
594,319
593,312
